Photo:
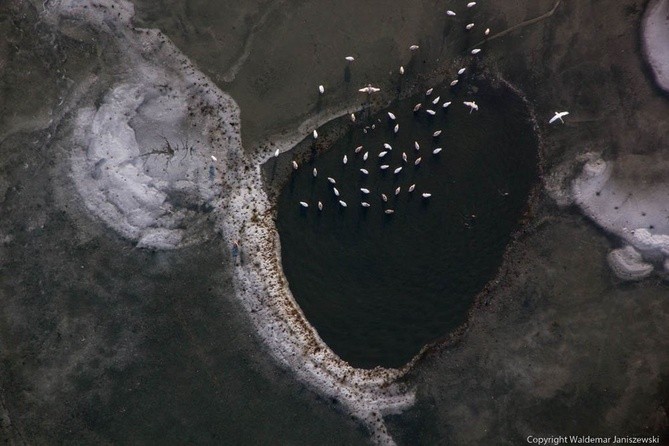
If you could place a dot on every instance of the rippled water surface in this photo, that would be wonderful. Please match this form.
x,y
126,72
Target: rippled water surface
x,y
378,287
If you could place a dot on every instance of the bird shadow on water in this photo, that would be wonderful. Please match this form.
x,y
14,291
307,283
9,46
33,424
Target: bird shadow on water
x,y
347,74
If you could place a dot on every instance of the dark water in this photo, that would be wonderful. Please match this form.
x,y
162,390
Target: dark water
x,y
378,287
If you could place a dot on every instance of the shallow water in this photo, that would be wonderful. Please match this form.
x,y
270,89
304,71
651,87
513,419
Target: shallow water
x,y
378,287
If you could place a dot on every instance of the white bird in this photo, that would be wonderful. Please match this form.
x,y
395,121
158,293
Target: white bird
x,y
472,106
486,32
295,165
391,115
384,166
414,47
352,117
451,13
475,51
315,172
431,112
345,159
304,204
332,180
471,4
401,69
389,211
364,191
365,171
213,158
404,157
276,153
436,100
358,149
384,197
469,26
417,107
343,203
558,115
382,154
446,104
336,192
429,92
398,170
437,133
397,128
412,187
426,195
364,204
369,89
397,191
454,82
416,145
387,146
350,58
437,150
365,156
417,162
321,89
315,133
320,206
461,70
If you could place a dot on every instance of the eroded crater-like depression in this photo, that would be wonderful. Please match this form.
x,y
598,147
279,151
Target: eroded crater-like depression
x,y
379,286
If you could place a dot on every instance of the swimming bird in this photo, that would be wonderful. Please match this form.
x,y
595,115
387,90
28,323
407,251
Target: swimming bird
x,y
304,204
358,149
471,4
365,171
397,128
384,197
213,158
315,133
315,172
365,156
558,115
461,70
295,165
387,146
417,107
436,100
382,154
332,180
369,89
364,204
454,82
404,157
336,191
364,191
426,195
343,203
486,32
414,47
397,191
446,104
412,187
437,133
417,162
352,117
276,153
401,69
416,145
397,170
431,112
475,51
391,115
384,166
321,89
389,211
472,106
320,206
437,150
451,13
349,58
429,91
469,26
345,159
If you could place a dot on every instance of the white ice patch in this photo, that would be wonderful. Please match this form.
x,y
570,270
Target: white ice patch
x,y
655,37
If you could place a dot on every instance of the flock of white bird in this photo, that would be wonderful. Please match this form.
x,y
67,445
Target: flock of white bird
x,y
370,89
